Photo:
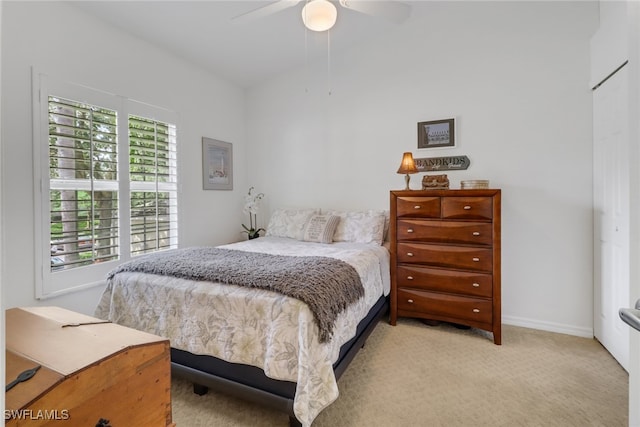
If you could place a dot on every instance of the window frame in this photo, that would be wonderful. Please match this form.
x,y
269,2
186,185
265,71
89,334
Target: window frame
x,y
54,283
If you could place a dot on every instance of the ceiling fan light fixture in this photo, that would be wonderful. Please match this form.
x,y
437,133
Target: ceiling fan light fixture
x,y
319,15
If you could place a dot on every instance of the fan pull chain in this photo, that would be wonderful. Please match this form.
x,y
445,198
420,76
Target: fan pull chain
x,y
329,61
306,61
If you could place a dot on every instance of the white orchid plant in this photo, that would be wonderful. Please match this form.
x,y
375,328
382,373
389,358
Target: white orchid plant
x,y
252,207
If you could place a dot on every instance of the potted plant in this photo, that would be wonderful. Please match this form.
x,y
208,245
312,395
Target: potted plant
x,y
251,207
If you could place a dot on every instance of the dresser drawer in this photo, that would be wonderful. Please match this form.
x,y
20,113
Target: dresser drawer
x,y
455,232
467,207
423,207
452,281
462,257
459,307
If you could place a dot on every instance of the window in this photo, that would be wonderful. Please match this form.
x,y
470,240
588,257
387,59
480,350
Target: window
x,y
152,172
106,172
83,184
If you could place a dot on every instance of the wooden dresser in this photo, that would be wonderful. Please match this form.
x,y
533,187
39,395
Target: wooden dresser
x,y
445,257
90,373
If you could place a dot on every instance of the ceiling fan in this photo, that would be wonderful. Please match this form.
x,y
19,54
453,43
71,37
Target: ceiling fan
x,y
320,15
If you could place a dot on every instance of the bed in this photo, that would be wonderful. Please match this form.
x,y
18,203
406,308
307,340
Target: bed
x,y
251,342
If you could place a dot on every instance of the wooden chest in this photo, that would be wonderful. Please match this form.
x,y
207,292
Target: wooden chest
x,y
445,257
88,371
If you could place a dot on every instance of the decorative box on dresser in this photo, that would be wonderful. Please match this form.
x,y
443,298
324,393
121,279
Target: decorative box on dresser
x,y
445,257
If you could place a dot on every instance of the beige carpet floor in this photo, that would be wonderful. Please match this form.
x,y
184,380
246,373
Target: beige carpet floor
x,y
418,375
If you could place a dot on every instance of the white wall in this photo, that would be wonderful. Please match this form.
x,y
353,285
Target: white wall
x,y
515,75
82,50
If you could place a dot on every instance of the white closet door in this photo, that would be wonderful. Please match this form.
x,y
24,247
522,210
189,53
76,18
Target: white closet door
x,y
611,213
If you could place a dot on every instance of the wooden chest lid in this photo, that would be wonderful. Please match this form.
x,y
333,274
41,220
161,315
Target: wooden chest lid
x,y
23,394
45,335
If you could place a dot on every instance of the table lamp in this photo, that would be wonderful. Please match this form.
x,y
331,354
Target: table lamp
x,y
407,167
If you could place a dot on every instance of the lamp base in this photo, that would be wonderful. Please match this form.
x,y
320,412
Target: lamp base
x,y
406,180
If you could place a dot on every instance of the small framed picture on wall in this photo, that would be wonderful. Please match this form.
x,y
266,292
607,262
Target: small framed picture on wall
x,y
217,165
436,133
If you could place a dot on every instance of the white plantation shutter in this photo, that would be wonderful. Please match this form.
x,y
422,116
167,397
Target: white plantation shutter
x,y
153,176
83,184
106,171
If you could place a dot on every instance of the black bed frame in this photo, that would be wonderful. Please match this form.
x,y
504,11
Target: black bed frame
x,y
250,383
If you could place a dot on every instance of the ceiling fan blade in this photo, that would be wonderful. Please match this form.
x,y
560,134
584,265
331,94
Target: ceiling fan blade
x,y
391,10
269,9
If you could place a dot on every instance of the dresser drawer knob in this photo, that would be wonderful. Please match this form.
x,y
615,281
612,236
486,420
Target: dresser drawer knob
x,y
417,207
476,259
476,310
476,285
409,253
467,208
410,301
410,230
476,233
409,277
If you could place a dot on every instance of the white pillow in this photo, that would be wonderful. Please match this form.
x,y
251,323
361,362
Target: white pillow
x,y
359,227
320,228
289,222
387,215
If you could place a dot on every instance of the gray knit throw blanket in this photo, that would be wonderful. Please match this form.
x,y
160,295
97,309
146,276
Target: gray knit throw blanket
x,y
326,285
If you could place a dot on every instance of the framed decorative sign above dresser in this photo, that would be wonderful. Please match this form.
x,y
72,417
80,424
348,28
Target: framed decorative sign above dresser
x,y
436,133
445,257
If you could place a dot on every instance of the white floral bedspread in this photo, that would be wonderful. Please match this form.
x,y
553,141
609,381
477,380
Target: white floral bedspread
x,y
253,326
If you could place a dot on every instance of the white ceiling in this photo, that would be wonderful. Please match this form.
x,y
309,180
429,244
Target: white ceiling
x,y
244,52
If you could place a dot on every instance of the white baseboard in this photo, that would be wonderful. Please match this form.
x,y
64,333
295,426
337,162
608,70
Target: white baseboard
x,y
548,326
